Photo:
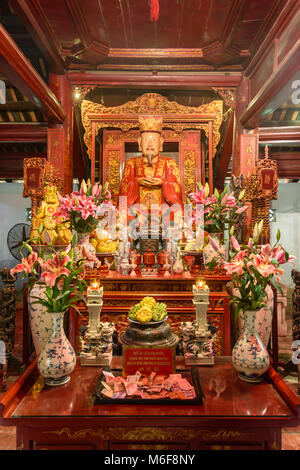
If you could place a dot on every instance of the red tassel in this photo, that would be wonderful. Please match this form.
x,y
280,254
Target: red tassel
x,y
154,10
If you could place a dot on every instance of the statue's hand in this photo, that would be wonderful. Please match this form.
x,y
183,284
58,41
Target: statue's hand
x,y
149,181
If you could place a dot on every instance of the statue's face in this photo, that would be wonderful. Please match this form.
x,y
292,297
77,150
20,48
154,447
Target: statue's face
x,y
151,142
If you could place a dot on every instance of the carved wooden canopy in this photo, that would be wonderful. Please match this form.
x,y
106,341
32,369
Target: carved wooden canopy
x,y
207,117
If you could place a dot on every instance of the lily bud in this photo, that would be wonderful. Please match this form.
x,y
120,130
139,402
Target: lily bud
x,y
94,189
235,243
83,186
255,233
99,191
278,235
206,190
241,195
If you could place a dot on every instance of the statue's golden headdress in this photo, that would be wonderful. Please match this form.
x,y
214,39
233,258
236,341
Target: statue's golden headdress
x,y
150,124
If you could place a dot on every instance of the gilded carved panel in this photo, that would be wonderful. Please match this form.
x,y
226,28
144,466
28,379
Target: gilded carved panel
x,y
189,171
114,171
176,117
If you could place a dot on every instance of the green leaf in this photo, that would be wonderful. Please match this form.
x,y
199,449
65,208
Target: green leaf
x,y
63,295
49,292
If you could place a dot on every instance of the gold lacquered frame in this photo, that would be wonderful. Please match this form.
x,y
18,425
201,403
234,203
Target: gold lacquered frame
x,y
207,117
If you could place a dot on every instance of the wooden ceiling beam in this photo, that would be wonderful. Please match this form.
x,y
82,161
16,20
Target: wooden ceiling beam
x,y
9,156
159,80
23,132
273,67
19,71
288,163
225,155
279,134
18,106
78,152
232,21
272,86
33,17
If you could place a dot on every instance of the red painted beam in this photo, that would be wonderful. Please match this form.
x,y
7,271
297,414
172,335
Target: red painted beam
x,y
33,17
78,156
279,134
23,133
226,155
9,156
19,71
272,86
288,163
158,80
271,69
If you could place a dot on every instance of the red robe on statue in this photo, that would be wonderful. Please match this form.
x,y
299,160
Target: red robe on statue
x,y
165,169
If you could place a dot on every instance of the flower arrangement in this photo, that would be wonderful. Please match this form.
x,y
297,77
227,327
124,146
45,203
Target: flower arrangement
x,y
81,207
62,275
252,268
220,210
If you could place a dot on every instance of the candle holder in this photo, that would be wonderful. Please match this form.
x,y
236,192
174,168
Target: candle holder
x,y
97,343
197,339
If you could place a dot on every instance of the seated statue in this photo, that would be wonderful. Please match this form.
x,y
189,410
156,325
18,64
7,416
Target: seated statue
x,y
150,178
46,229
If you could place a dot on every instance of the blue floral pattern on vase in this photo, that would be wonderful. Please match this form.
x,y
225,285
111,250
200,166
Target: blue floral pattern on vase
x,y
249,355
40,319
57,360
263,319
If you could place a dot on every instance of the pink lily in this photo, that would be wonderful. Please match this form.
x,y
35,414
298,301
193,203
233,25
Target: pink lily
x,y
198,197
27,264
53,268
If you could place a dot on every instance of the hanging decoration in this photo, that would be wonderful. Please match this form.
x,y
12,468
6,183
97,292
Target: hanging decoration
x,y
154,10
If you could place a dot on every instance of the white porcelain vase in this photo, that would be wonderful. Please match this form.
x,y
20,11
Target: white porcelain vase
x,y
263,318
40,319
249,355
57,360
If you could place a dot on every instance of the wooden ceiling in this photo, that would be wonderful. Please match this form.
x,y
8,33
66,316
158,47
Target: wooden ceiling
x,y
116,36
208,34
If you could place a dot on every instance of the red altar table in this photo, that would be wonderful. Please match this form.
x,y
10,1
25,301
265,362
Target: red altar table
x,y
121,292
234,414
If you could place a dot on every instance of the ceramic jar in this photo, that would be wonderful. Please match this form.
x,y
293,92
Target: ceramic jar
x,y
263,318
58,359
162,258
149,259
249,355
40,319
178,265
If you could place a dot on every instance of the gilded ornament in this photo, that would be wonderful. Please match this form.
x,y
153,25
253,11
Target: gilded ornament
x,y
148,434
114,171
152,103
189,171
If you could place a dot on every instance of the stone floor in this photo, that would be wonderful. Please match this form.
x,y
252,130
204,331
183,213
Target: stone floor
x,y
290,436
